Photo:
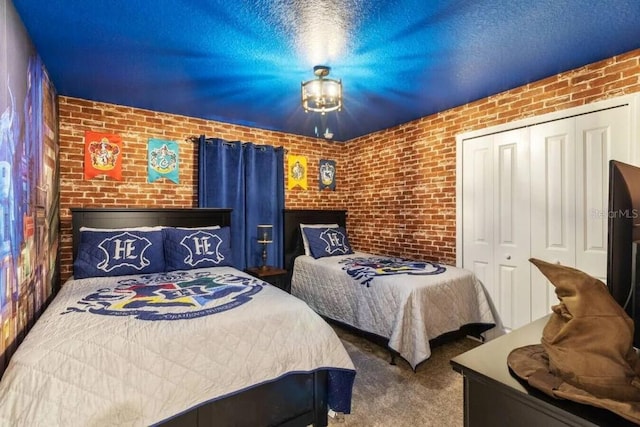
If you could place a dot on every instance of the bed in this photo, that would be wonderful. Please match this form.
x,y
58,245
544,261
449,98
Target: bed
x,y
407,304
205,345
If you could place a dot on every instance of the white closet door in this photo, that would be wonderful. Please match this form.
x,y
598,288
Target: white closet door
x,y
552,205
477,212
600,136
495,220
512,227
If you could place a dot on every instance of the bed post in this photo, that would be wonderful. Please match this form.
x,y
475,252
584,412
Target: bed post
x,y
320,409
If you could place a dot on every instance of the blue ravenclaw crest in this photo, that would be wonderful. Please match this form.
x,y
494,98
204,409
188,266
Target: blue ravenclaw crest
x,y
366,269
327,174
170,296
202,246
124,249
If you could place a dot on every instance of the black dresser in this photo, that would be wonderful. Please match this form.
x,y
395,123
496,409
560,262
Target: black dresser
x,y
494,397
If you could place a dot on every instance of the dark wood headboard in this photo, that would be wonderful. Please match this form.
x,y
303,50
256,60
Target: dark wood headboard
x,y
139,217
293,238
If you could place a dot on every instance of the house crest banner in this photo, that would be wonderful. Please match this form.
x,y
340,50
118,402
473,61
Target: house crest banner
x,y
297,171
327,177
102,155
163,160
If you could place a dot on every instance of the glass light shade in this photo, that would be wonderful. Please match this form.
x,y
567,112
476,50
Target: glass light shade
x,y
322,95
265,233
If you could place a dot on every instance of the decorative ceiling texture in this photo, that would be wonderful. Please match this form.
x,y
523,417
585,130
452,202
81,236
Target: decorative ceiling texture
x,y
242,62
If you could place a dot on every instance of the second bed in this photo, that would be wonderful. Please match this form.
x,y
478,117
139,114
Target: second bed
x,y
408,303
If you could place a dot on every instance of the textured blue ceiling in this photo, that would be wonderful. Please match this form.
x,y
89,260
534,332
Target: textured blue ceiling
x,y
242,61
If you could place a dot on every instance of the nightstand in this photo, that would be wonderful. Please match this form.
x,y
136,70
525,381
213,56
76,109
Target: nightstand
x,y
274,275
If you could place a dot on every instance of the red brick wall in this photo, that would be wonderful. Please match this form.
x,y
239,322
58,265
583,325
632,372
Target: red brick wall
x,y
402,180
398,184
136,126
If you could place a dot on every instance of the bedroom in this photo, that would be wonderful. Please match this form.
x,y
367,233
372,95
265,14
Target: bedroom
x,y
403,177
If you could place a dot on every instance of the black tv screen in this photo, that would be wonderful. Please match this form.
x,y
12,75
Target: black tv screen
x,y
624,235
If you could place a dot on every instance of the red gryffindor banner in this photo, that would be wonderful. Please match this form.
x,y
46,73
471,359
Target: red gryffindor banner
x,y
102,155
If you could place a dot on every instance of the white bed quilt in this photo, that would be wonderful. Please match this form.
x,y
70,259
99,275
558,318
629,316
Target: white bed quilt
x,y
125,354
408,303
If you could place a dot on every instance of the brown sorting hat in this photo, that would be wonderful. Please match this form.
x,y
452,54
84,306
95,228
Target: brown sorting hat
x,y
587,353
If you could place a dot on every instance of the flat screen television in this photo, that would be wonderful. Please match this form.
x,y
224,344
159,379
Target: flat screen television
x,y
623,265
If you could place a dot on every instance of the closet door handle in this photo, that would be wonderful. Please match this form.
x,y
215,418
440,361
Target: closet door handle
x,y
508,257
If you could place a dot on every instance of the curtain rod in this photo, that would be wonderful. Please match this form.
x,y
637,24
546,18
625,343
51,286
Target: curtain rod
x,y
197,139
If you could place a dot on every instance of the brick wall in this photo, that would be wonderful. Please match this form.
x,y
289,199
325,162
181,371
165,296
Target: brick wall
x,y
136,126
402,180
398,184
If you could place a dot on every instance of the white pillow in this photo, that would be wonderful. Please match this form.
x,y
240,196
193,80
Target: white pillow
x,y
305,242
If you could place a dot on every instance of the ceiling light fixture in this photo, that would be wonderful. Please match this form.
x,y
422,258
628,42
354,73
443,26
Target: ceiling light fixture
x,y
322,95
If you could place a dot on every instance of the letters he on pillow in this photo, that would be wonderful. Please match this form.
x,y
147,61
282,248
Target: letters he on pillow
x,y
119,252
188,248
305,241
325,242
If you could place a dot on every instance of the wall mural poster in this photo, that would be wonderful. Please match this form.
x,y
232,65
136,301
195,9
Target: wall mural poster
x,y
327,174
162,159
29,186
297,171
102,155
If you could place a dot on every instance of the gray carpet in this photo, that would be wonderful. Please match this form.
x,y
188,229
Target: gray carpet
x,y
388,395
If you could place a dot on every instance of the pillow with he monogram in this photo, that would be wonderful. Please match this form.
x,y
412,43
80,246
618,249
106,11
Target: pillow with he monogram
x,y
305,241
187,248
103,252
325,242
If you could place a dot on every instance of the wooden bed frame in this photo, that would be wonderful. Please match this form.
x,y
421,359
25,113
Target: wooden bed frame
x,y
294,247
294,400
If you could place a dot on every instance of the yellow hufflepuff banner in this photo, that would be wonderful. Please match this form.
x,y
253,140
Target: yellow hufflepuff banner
x,y
297,167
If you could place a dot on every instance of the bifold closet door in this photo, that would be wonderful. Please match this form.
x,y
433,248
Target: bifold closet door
x,y
553,223
512,230
569,194
496,220
477,211
600,137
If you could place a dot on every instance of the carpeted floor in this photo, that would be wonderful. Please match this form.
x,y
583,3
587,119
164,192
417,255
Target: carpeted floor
x,y
393,395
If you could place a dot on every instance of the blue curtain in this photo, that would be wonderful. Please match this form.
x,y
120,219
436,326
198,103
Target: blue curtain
x,y
249,179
